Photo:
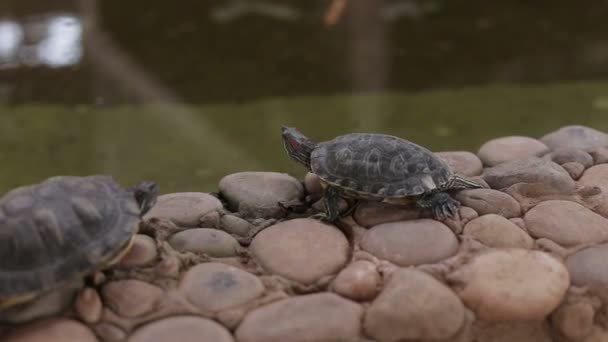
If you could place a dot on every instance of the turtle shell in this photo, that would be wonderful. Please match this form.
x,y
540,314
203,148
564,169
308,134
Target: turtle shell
x,y
62,228
378,166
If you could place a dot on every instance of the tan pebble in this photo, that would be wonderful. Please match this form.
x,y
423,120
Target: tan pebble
x,y
88,305
530,170
369,214
182,329
143,252
496,231
518,221
597,335
312,183
210,220
168,267
213,242
596,177
599,154
462,162
489,201
52,330
511,284
358,281
110,332
575,136
567,155
504,149
511,331
574,169
574,321
184,209
130,297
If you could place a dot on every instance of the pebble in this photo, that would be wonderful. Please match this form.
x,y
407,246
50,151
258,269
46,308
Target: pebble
x,y
303,250
406,243
88,305
131,297
182,329
597,176
575,136
184,209
110,332
235,225
511,331
500,150
212,242
511,284
496,231
414,306
257,194
574,169
306,318
599,154
312,184
566,223
588,267
575,320
462,162
52,330
489,201
565,155
531,170
213,286
359,281
47,304
369,214
142,253
528,195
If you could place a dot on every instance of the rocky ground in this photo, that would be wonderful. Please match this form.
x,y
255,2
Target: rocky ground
x,y
525,261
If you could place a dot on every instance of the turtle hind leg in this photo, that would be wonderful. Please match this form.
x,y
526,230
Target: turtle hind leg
x,y
441,204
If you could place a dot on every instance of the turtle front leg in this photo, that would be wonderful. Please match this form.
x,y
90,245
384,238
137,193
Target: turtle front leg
x,y
330,202
442,205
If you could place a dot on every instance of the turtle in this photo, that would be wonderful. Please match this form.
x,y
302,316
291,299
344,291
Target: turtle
x,y
376,167
63,229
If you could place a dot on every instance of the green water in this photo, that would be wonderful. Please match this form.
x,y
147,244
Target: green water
x,y
189,148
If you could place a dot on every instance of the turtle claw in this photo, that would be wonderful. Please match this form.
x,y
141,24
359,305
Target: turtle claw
x,y
441,204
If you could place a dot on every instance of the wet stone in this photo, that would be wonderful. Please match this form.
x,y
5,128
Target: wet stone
x,y
303,250
235,225
359,281
566,223
531,170
88,305
511,284
131,297
489,201
368,214
182,329
575,170
496,231
588,267
314,317
414,306
462,162
143,252
257,194
406,243
213,242
571,155
576,136
214,286
52,330
184,209
510,148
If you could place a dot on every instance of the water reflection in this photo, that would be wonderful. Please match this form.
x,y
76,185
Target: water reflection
x,y
54,41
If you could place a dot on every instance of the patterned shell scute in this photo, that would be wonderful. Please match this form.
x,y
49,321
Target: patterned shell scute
x,y
61,228
378,165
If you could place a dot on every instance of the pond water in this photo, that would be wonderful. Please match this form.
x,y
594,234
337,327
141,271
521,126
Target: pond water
x,y
184,94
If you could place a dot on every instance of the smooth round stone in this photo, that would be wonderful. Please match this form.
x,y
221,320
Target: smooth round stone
x,y
566,223
414,306
143,252
110,332
213,242
599,154
511,331
406,243
182,329
314,317
597,176
303,250
462,162
47,304
511,284
312,183
575,136
588,267
531,170
505,149
131,297
88,305
185,209
489,201
574,321
496,231
257,194
52,330
571,155
214,286
369,214
358,281
235,225
575,170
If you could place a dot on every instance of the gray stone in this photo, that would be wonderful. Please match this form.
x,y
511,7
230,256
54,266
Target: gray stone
x,y
182,329
576,136
185,209
531,170
500,150
213,242
489,201
588,267
462,162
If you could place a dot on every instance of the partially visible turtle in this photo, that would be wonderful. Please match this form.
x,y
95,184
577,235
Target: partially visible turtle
x,y
64,228
377,167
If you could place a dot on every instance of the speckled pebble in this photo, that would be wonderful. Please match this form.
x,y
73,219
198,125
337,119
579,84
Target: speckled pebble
x,y
489,201
142,253
131,297
181,329
52,330
214,286
359,281
496,231
510,148
185,209
213,242
462,162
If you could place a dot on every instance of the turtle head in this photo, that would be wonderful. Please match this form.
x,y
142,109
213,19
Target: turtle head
x,y
298,147
145,194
